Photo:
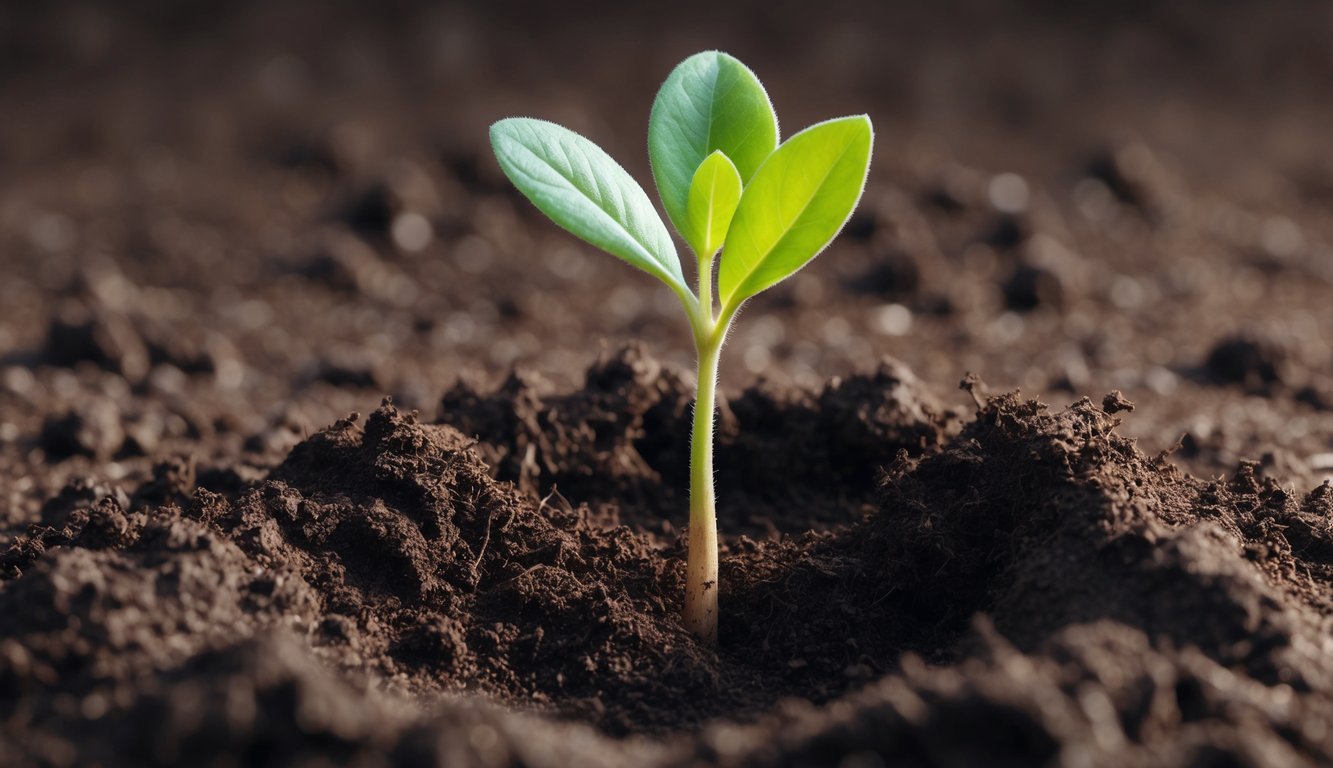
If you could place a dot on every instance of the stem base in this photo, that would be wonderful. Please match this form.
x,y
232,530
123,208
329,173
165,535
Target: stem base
x,y
701,584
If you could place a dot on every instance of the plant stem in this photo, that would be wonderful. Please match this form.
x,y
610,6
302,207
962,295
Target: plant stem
x,y
701,585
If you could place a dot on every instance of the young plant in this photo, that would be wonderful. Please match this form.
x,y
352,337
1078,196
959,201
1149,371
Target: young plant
x,y
727,185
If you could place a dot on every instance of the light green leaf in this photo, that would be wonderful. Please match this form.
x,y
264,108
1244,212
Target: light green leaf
x,y
582,189
714,193
795,205
710,101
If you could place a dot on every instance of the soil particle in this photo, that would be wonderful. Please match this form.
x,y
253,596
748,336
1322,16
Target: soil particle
x,y
172,481
862,226
1316,396
372,208
190,351
1254,363
80,492
1136,178
1116,402
92,427
1029,287
84,331
347,264
1006,232
368,211
348,369
893,276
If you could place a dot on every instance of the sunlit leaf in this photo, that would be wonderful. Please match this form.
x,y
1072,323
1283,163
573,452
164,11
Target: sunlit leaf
x,y
714,193
582,189
795,205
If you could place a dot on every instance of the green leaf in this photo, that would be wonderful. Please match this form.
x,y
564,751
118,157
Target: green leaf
x,y
714,193
582,189
710,101
795,205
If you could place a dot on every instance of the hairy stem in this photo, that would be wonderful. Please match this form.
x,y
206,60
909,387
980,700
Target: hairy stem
x,y
701,585
705,312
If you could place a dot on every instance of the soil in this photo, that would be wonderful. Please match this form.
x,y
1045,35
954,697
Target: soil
x,y
319,446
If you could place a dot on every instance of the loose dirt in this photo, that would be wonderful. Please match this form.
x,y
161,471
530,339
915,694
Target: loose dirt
x,y
319,446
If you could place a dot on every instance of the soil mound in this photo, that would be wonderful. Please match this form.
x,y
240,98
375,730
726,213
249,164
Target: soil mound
x,y
1081,550
786,459
381,593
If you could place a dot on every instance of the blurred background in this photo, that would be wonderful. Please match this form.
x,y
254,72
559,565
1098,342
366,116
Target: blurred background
x,y
223,225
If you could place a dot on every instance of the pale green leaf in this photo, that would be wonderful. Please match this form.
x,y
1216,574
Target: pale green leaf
x,y
710,101
582,189
795,205
714,193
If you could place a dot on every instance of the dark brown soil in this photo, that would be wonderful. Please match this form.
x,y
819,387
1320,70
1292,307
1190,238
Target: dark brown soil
x,y
212,254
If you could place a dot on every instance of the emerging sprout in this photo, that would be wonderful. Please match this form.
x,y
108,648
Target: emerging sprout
x,y
726,185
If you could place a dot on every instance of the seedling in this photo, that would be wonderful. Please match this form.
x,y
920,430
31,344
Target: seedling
x,y
727,185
